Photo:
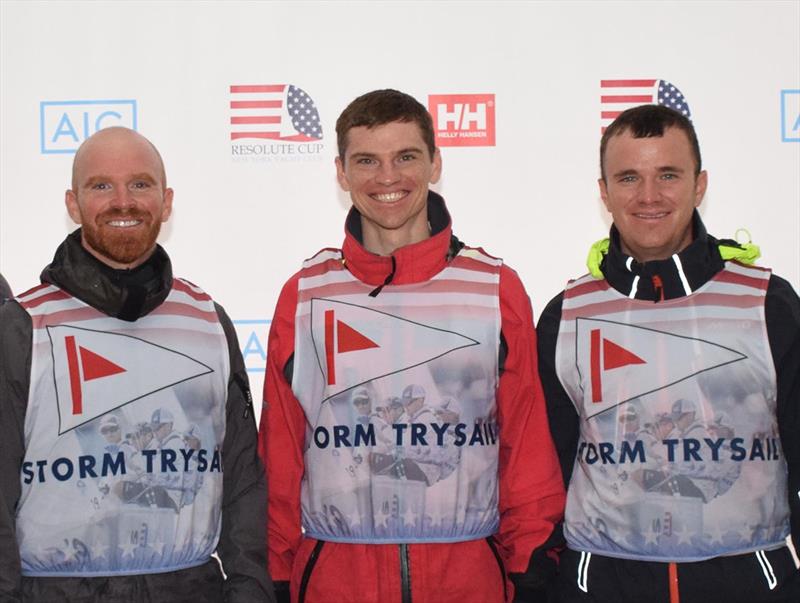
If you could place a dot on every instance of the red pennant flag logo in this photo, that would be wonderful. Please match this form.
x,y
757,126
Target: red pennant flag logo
x,y
355,344
613,356
347,340
96,372
618,361
91,366
97,367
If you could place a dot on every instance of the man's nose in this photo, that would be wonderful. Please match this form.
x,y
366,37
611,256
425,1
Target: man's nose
x,y
649,190
388,173
123,198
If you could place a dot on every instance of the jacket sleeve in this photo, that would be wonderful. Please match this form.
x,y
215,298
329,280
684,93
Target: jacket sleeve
x,y
782,309
242,540
531,492
15,370
281,441
561,413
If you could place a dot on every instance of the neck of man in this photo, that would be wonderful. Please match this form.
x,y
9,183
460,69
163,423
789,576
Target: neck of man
x,y
384,241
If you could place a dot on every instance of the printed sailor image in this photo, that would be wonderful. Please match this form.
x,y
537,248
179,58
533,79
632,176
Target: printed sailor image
x,y
684,414
383,418
110,430
422,463
362,405
192,478
630,424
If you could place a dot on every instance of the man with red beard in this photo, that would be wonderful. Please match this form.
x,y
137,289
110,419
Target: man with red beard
x,y
109,336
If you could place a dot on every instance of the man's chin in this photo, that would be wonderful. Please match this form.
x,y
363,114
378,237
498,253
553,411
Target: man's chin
x,y
125,254
121,252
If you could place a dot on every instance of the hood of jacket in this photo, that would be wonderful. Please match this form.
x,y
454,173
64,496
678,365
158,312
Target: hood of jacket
x,y
410,264
124,294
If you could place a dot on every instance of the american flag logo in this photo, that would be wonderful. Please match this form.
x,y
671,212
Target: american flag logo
x,y
618,95
273,111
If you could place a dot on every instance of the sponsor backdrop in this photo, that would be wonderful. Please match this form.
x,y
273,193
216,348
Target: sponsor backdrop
x,y
242,98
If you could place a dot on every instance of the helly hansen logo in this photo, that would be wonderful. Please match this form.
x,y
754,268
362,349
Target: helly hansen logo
x,y
463,120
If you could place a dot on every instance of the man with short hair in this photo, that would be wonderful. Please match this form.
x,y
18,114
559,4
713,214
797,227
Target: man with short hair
x,y
668,314
110,330
389,310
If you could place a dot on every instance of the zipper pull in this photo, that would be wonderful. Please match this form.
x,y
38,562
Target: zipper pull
x,y
658,285
248,397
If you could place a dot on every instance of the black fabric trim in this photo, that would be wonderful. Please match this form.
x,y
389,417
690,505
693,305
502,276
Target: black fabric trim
x,y
312,561
700,260
124,294
499,559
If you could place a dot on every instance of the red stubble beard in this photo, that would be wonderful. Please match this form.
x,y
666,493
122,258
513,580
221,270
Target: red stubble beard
x,y
122,245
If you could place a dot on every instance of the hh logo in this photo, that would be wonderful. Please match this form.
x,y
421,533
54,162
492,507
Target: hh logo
x,y
96,372
64,125
618,362
790,115
252,335
463,120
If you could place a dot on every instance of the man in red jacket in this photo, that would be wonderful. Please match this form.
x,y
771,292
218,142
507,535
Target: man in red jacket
x,y
404,306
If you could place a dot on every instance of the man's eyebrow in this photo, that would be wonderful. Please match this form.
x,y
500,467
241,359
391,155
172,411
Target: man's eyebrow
x,y
409,150
95,179
367,154
628,172
143,176
360,154
671,168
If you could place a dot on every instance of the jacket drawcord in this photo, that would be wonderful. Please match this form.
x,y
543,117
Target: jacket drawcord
x,y
374,292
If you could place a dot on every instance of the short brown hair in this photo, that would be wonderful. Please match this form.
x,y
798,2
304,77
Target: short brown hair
x,y
646,121
381,107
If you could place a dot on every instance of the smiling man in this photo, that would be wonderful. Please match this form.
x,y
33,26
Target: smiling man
x,y
362,513
108,341
672,322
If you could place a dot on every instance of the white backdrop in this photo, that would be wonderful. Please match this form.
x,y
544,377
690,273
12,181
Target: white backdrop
x,y
242,224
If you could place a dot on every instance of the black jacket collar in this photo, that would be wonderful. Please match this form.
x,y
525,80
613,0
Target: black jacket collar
x,y
124,294
664,279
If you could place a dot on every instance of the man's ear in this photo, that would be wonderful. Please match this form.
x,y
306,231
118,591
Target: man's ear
x,y
341,176
71,201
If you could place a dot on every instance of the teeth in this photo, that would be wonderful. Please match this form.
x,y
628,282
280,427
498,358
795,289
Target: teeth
x,y
388,197
124,223
651,216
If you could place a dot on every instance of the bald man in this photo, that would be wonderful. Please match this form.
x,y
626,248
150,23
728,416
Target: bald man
x,y
110,339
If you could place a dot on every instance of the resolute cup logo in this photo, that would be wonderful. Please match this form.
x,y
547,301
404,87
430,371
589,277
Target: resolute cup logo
x,y
274,122
618,95
463,120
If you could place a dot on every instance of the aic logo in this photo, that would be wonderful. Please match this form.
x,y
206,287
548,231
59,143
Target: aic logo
x,y
252,336
64,125
790,115
463,120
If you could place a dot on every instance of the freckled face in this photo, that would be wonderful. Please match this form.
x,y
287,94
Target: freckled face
x,y
651,190
387,170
